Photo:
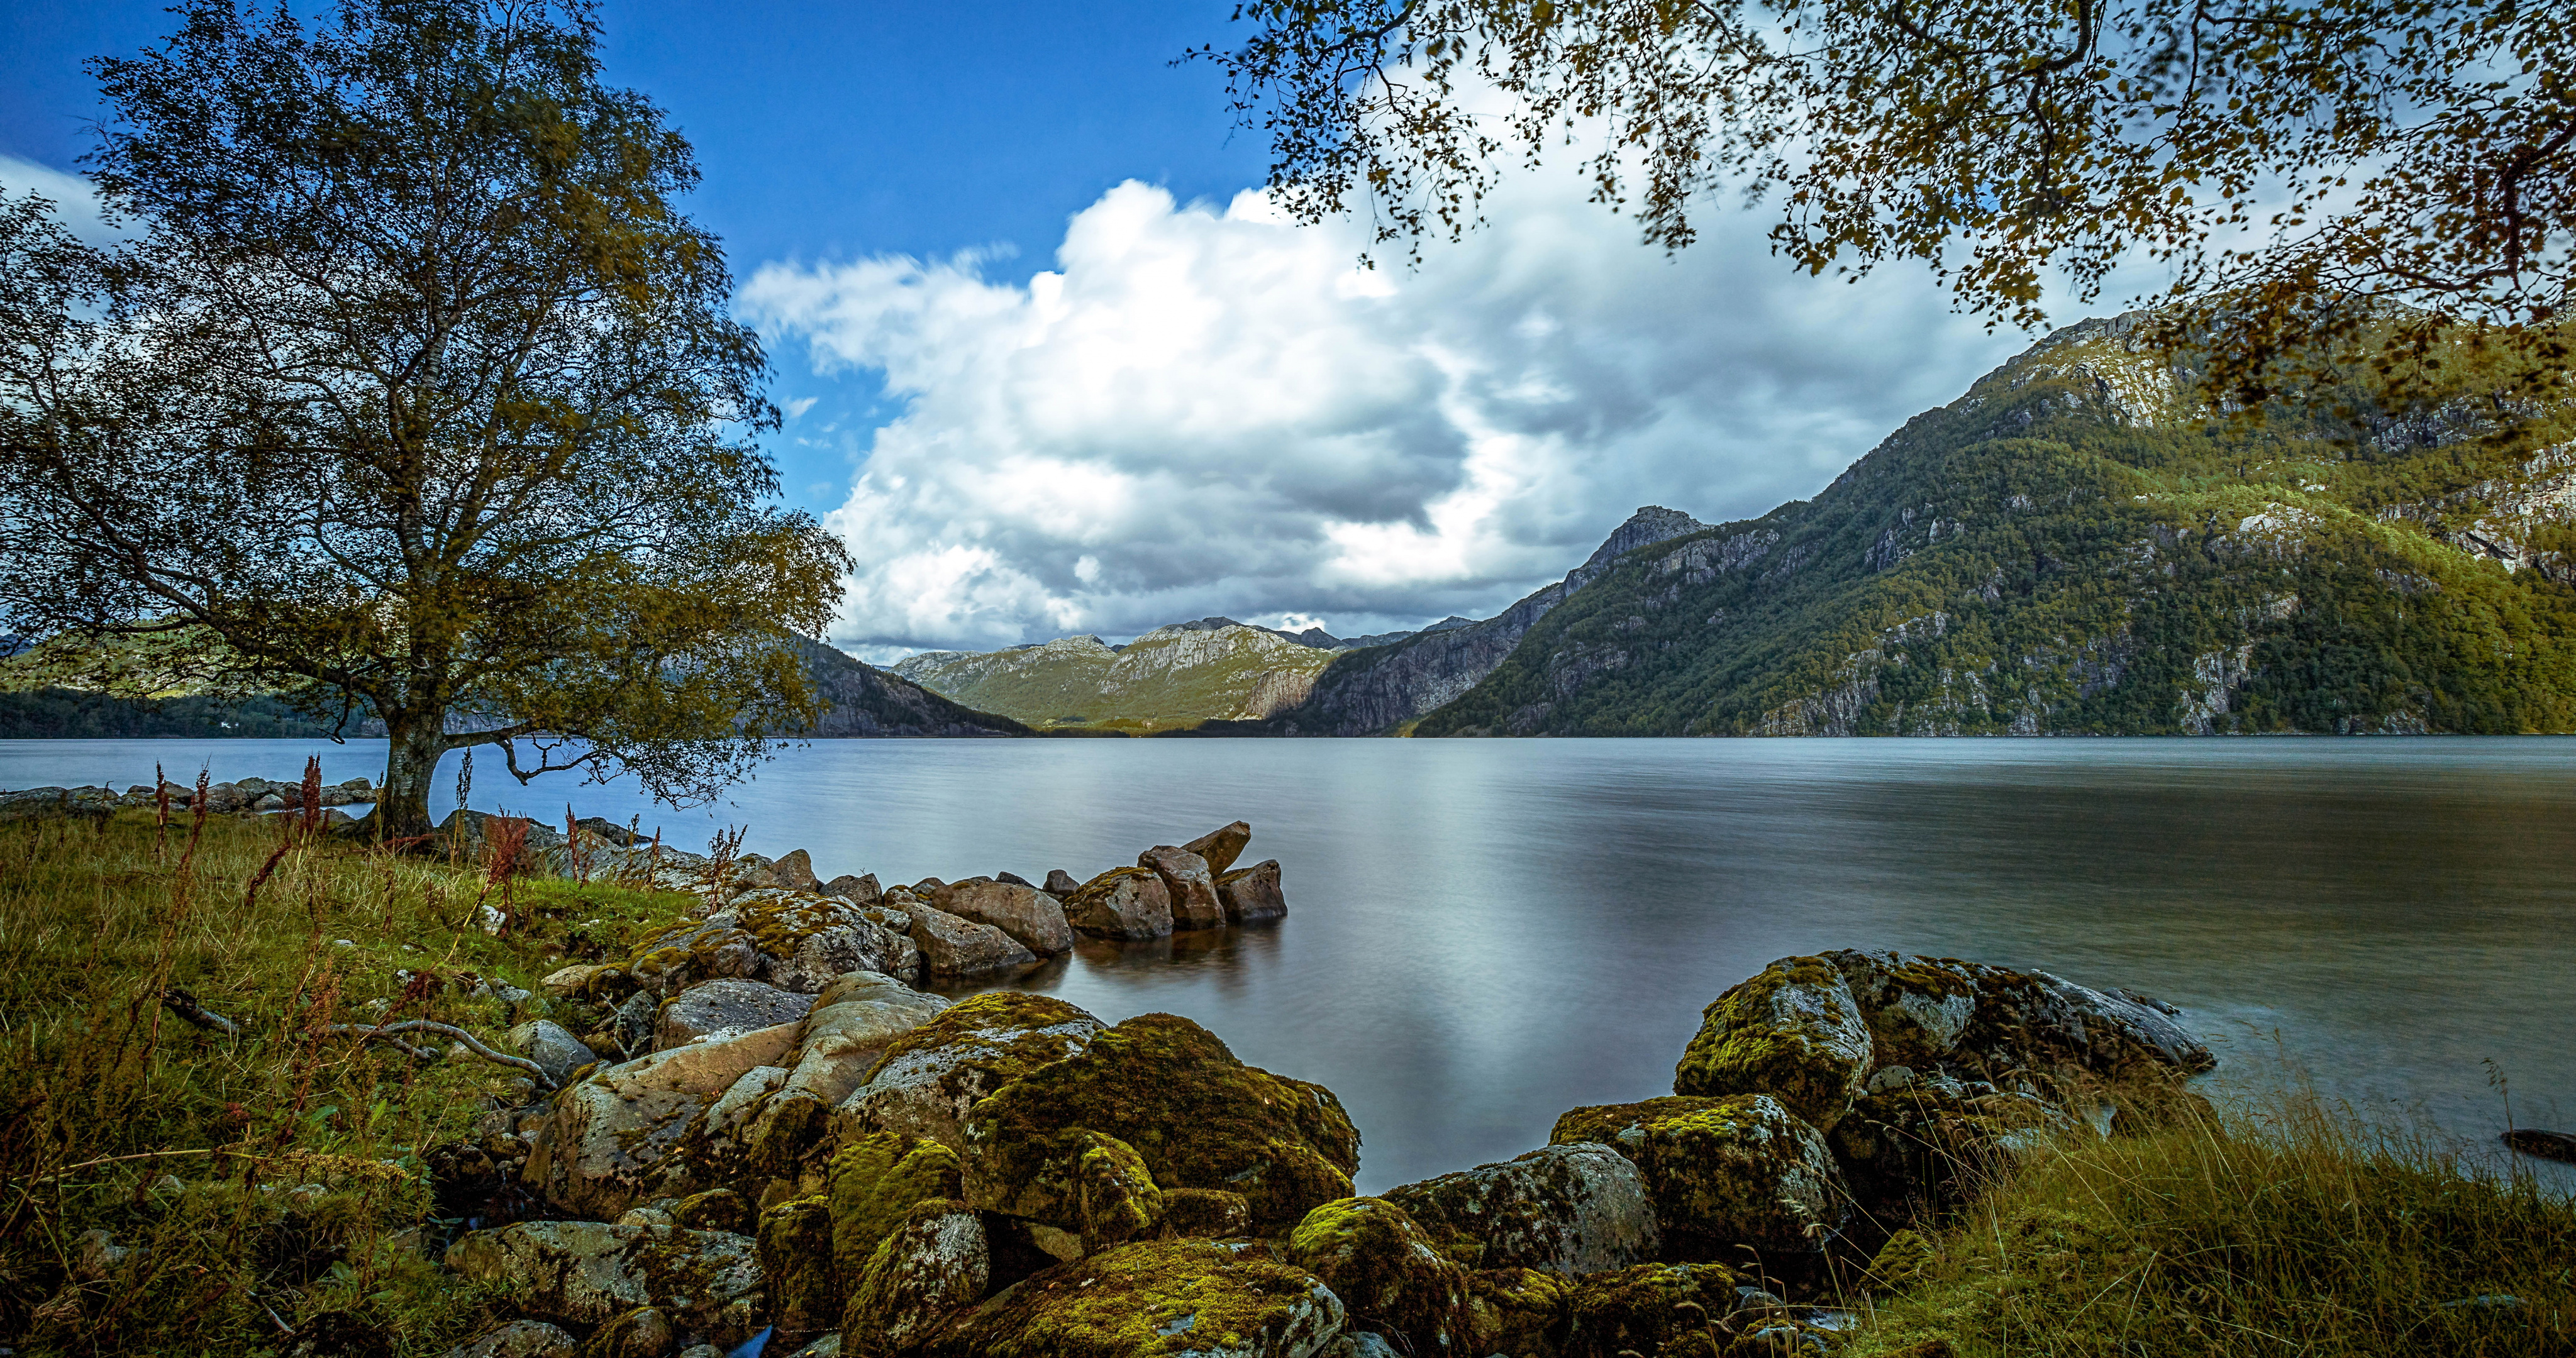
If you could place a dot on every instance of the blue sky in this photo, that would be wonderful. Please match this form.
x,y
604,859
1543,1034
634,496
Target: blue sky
x,y
1053,369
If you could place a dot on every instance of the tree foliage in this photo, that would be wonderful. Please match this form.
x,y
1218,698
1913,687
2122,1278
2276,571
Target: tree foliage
x,y
410,389
2306,169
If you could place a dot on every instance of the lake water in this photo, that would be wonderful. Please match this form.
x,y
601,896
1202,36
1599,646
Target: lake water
x,y
1485,933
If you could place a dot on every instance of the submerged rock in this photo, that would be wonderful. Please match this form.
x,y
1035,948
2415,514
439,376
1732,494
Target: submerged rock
x,y
1122,903
1191,886
1033,919
1150,1300
1252,894
1570,1209
953,947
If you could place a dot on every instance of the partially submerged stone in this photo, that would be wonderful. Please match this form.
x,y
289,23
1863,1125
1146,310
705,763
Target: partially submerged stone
x,y
1221,846
588,1272
1251,895
1388,1275
1578,1208
953,947
1033,919
1154,1300
1198,1117
1122,903
1191,886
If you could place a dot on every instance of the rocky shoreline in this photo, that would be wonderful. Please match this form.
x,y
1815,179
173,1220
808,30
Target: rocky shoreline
x,y
756,1133
801,1150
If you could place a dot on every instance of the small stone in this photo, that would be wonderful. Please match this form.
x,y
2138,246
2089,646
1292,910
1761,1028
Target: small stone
x,y
1060,883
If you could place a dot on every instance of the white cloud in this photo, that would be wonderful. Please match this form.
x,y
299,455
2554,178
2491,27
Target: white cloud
x,y
75,202
1210,410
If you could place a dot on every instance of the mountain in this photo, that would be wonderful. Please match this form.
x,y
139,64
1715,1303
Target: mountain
x,y
2077,546
868,702
1175,676
1379,688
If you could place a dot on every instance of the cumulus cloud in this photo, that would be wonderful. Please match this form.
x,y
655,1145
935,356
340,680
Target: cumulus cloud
x,y
1207,409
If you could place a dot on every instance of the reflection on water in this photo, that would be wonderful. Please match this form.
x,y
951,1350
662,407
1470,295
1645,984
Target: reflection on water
x,y
1483,934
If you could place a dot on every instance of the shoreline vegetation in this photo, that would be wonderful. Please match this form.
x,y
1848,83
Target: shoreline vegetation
x,y
273,1091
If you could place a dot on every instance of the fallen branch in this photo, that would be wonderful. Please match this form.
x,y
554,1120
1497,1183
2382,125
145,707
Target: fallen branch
x,y
185,1006
385,1033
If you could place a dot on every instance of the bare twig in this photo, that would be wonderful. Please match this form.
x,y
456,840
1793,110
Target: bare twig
x,y
185,1006
384,1033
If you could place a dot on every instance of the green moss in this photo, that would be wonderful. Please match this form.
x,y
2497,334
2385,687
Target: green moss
x,y
1518,1311
1386,1271
1642,1309
805,1289
991,1016
717,1209
1781,1033
1204,1213
873,1182
1741,1173
1198,1118
1622,1126
1145,1299
933,1262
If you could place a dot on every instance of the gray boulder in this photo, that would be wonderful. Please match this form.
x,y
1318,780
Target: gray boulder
x,y
518,1339
861,944
930,1077
1221,846
1252,894
1570,1209
1060,883
953,947
795,872
590,1272
726,1008
1122,903
935,1262
612,1141
1031,917
859,890
1191,886
549,1045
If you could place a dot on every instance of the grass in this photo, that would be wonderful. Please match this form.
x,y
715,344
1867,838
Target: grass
x,y
2290,1228
271,1192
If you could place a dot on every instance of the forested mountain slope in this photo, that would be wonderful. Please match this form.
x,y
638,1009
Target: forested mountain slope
x,y
2075,547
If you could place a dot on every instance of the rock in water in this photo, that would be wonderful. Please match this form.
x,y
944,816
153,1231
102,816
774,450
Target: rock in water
x,y
1060,883
725,1008
1569,1209
1122,903
2546,1145
1031,917
953,947
1221,846
1192,887
1251,895
1151,1299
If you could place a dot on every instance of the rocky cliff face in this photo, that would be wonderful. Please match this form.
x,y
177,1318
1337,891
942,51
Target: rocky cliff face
x,y
2075,546
866,701
1377,689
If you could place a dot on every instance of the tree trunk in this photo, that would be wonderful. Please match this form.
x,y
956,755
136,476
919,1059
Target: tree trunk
x,y
411,761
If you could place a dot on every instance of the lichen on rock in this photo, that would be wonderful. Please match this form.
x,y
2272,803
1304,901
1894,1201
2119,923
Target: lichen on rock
x,y
1154,1299
1575,1208
930,1075
875,1181
1386,1271
1793,1032
932,1263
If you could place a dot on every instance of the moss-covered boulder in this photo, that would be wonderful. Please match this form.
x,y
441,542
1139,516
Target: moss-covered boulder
x,y
1518,1312
1204,1214
1196,1116
1793,1032
1747,1172
1911,1151
1154,1300
1389,1277
875,1182
1577,1208
805,1291
1942,1018
1652,1308
931,1074
932,1263
1622,1126
717,1209
644,1332
1089,1184
855,1017
588,1272
632,1132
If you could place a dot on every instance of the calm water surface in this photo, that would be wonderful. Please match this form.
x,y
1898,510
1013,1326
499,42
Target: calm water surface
x,y
1485,933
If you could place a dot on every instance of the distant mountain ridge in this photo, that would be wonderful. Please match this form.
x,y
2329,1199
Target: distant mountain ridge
x,y
1174,676
2075,546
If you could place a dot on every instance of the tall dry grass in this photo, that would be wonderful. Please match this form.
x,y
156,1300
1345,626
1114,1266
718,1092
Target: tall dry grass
x,y
265,1189
2284,1225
